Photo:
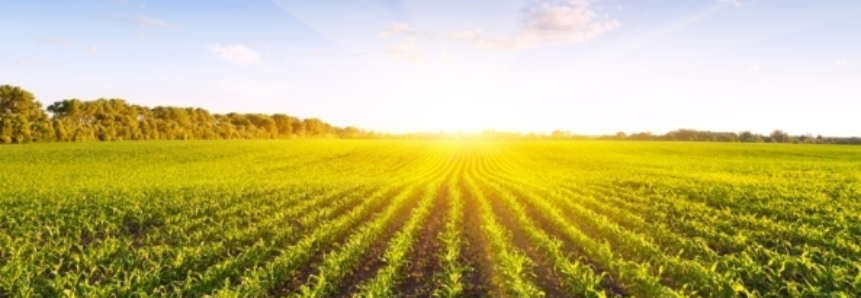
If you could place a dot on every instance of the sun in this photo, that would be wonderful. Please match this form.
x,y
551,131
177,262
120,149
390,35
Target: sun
x,y
463,116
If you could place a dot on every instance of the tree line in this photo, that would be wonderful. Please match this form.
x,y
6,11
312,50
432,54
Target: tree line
x,y
776,136
23,120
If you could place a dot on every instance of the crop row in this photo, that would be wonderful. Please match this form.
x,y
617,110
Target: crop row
x,y
372,219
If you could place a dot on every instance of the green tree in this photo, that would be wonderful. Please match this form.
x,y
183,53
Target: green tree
x,y
299,129
284,124
779,136
349,132
6,128
21,115
314,127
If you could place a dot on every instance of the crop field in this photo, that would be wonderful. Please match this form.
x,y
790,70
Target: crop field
x,y
429,218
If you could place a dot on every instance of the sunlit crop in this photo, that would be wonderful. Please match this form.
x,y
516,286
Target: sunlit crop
x,y
422,219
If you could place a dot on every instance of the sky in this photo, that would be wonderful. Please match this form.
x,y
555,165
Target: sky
x,y
585,66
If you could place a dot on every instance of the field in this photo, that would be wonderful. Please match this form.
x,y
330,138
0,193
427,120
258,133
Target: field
x,y
420,219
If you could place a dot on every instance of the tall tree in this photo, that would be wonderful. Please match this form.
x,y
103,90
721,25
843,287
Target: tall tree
x,y
22,117
779,136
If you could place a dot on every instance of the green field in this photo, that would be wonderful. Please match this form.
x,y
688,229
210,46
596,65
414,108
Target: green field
x,y
429,218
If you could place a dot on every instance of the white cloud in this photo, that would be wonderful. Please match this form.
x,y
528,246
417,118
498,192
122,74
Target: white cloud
x,y
237,54
841,63
466,35
407,49
558,20
397,28
94,49
754,68
547,24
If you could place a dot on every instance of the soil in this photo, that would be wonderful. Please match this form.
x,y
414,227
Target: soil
x,y
425,262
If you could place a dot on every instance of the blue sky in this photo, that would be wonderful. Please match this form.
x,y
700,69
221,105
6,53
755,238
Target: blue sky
x,y
405,65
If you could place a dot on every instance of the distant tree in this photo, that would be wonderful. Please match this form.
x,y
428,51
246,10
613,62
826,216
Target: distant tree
x,y
349,132
16,101
284,125
299,129
22,120
746,136
266,127
727,137
315,128
686,135
779,136
560,135
642,136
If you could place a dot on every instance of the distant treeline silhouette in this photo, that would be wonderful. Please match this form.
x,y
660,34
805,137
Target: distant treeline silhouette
x,y
776,136
691,135
22,120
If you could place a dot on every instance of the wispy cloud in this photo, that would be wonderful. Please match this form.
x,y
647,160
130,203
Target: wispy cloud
x,y
547,24
140,22
94,49
407,49
397,28
754,68
735,3
149,21
55,41
237,54
841,63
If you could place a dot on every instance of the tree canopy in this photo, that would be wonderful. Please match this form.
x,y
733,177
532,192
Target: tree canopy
x,y
22,120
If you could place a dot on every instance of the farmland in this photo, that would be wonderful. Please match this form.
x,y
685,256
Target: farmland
x,y
424,218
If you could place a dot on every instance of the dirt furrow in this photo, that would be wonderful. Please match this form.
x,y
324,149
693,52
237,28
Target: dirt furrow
x,y
545,277
476,253
311,268
418,281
